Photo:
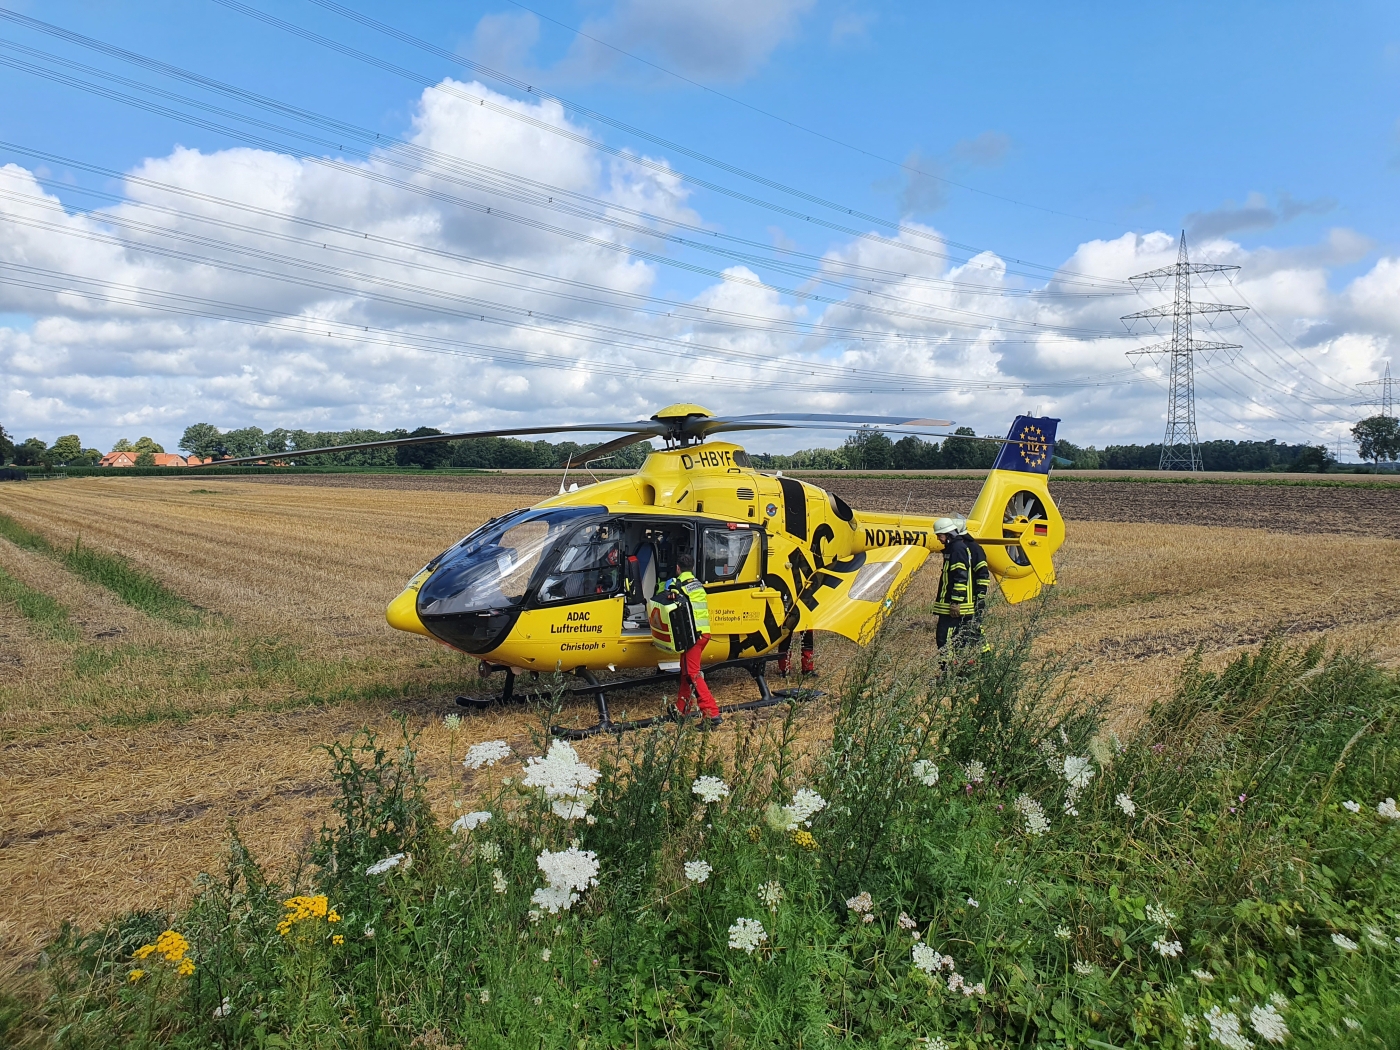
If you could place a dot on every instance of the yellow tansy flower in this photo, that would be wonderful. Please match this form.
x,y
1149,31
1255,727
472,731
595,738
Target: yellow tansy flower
x,y
135,975
337,939
805,839
143,951
185,968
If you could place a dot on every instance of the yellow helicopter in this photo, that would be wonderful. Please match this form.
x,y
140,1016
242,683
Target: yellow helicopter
x,y
563,585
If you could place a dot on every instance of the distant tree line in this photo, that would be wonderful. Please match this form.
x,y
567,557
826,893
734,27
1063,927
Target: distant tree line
x,y
205,440
872,450
1215,455
1377,440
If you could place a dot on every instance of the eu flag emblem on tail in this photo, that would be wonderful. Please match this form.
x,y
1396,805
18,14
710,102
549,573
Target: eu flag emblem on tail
x,y
1029,445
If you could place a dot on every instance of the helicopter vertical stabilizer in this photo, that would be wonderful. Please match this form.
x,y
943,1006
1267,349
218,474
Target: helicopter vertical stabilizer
x,y
1015,504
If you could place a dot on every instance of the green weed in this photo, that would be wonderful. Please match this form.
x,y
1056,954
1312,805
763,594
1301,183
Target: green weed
x,y
133,586
48,615
968,861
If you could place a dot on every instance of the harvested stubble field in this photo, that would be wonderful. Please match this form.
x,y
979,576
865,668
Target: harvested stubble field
x,y
130,740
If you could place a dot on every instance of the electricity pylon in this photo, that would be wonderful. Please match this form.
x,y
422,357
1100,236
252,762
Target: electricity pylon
x,y
1180,446
1386,402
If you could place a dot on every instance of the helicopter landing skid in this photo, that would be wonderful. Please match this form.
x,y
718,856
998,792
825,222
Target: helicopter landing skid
x,y
599,691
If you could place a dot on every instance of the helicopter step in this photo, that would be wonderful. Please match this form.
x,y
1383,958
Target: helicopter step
x,y
768,697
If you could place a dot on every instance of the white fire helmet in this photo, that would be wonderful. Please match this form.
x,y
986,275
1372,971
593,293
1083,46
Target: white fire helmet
x,y
949,526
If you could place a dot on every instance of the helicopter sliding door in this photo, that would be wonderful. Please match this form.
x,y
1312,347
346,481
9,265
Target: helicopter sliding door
x,y
731,568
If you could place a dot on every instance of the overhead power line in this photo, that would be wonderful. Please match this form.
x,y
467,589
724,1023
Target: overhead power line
x,y
1180,449
1385,398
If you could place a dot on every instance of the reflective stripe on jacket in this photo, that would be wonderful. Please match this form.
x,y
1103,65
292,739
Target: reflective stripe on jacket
x,y
699,599
965,580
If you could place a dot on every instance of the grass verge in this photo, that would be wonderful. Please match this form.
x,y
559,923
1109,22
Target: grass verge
x,y
113,572
49,616
966,861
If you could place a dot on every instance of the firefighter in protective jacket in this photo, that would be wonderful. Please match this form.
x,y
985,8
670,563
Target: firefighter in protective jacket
x,y
694,590
963,585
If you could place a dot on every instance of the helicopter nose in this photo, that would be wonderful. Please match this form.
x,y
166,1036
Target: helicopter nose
x,y
402,613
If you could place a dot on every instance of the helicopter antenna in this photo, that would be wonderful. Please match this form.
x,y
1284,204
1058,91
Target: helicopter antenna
x,y
565,479
908,500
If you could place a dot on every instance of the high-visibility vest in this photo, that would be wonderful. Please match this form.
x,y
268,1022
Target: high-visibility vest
x,y
679,614
699,600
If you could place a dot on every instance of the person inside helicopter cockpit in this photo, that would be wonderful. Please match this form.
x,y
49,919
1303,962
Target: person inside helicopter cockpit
x,y
589,565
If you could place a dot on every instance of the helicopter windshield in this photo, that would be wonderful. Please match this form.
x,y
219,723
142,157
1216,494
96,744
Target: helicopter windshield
x,y
490,570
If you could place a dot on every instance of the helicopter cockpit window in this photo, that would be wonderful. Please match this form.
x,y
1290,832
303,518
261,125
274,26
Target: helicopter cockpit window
x,y
725,553
590,564
494,569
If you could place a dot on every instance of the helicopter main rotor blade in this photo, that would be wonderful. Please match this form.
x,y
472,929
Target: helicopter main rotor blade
x,y
824,417
644,428
597,452
808,421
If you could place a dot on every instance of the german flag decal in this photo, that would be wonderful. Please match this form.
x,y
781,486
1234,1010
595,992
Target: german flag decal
x,y
1042,529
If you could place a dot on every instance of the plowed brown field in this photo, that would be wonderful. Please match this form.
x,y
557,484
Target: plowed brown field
x,y
126,749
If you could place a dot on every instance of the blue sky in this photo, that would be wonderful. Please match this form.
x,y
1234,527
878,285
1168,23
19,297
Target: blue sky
x,y
1270,131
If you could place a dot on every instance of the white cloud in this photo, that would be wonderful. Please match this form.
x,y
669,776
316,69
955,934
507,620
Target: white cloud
x,y
928,337
715,40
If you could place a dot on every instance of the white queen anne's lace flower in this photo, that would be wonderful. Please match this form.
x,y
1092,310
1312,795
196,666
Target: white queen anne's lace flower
x,y
1063,933
862,905
906,923
568,873
563,779
1344,942
746,935
486,754
1126,804
379,867
1160,915
805,805
470,821
710,789
1082,968
1030,809
771,894
1225,1030
1387,809
498,881
930,961
1167,949
697,870
1268,1023
1203,976
1079,770
975,772
925,772
1351,806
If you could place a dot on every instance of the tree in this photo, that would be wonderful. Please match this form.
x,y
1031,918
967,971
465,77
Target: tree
x,y
66,449
1377,438
246,441
122,445
967,455
868,449
146,458
31,453
201,439
145,444
429,456
7,446
1314,458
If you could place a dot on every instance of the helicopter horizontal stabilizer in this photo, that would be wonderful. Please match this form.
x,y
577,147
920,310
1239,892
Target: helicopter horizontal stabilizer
x,y
853,601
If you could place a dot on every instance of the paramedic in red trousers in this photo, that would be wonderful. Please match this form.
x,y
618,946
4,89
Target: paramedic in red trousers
x,y
809,664
691,674
962,586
